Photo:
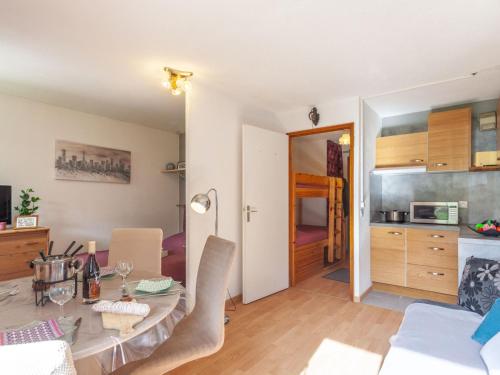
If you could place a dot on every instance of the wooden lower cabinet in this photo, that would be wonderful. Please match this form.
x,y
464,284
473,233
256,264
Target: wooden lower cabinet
x,y
18,248
431,278
388,255
415,258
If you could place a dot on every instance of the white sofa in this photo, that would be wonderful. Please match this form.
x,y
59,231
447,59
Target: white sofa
x,y
434,339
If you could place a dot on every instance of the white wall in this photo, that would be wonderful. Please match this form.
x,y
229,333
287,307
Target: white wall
x,y
372,124
83,211
213,155
334,113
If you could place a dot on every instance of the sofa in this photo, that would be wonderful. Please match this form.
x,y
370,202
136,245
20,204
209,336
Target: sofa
x,y
435,339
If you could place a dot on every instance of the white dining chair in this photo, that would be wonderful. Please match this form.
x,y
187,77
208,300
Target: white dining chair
x,y
202,332
38,358
142,246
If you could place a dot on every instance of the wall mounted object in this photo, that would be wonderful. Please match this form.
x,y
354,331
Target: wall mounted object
x,y
314,116
80,162
200,203
487,121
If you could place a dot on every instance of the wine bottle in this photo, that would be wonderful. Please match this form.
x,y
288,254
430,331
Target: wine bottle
x,y
91,289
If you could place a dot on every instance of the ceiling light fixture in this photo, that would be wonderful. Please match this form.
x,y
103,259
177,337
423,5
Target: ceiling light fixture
x,y
176,81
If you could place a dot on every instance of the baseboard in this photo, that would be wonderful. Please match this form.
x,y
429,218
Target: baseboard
x,y
414,293
358,299
237,299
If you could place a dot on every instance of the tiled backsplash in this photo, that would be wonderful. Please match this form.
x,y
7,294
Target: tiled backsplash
x,y
479,189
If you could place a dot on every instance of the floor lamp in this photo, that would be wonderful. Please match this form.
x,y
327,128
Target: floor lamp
x,y
200,203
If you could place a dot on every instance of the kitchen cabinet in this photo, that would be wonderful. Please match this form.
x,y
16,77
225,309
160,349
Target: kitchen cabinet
x,y
432,260
401,150
449,140
388,255
416,258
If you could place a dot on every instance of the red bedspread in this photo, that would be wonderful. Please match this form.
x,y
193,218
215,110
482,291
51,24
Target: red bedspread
x,y
310,233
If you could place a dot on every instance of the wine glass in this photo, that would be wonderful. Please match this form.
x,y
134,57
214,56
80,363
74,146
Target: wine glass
x,y
123,268
61,293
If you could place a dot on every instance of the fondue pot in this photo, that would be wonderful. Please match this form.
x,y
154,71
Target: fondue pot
x,y
55,268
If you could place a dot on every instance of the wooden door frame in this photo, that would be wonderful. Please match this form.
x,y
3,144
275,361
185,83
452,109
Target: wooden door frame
x,y
325,129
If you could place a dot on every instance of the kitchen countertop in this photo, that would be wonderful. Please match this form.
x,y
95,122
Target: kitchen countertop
x,y
454,228
466,234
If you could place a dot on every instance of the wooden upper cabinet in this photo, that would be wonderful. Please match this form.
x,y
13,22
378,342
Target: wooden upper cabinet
x,y
402,150
450,140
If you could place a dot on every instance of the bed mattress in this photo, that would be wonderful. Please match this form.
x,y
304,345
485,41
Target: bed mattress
x,y
310,233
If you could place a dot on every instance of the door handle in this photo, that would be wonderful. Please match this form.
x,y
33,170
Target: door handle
x,y
249,209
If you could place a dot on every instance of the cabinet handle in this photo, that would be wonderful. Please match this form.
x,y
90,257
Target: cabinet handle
x,y
436,273
395,233
417,160
441,164
437,236
437,248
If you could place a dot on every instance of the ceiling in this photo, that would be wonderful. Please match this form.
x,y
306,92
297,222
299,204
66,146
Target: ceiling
x,y
106,57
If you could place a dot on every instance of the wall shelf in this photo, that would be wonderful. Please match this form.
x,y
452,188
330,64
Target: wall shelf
x,y
177,170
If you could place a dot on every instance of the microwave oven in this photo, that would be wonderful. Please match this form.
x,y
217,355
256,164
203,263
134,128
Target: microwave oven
x,y
434,212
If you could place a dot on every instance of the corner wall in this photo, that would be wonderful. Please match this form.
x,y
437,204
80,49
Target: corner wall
x,y
213,158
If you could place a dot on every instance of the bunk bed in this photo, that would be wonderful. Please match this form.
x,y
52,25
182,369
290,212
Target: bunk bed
x,y
307,242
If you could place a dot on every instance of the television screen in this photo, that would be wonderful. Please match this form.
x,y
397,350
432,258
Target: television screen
x,y
6,204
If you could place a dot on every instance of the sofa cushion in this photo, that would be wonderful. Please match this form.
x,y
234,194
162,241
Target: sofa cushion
x,y
490,325
480,286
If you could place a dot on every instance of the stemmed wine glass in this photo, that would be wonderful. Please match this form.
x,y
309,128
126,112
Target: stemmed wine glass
x,y
123,268
61,293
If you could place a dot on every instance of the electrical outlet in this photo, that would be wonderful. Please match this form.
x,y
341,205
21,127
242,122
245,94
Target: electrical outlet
x,y
462,204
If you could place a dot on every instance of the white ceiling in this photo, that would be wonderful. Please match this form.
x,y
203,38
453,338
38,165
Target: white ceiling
x,y
106,56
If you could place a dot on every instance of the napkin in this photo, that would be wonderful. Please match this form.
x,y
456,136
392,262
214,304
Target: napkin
x,y
42,331
131,308
154,286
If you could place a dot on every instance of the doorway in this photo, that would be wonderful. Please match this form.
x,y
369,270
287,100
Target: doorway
x,y
321,197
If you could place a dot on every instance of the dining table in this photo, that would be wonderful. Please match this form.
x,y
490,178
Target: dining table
x,y
96,350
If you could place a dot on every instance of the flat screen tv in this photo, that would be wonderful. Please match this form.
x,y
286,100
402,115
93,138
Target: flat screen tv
x,y
6,204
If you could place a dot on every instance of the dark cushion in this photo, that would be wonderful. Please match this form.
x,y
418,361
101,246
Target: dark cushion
x,y
480,285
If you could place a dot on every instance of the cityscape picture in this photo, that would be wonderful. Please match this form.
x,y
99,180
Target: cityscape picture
x,y
80,162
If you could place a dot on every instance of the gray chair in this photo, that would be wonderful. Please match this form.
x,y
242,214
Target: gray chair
x,y
202,332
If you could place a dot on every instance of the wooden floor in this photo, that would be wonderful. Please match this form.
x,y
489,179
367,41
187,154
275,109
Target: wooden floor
x,y
312,328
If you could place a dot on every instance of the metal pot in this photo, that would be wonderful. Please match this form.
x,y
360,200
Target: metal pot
x,y
55,268
394,216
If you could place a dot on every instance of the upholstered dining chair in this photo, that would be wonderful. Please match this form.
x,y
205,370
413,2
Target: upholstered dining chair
x,y
202,332
142,246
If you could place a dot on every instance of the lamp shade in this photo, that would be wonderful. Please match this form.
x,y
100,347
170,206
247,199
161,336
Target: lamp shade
x,y
200,203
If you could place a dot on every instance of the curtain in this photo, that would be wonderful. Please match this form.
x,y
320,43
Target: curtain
x,y
334,165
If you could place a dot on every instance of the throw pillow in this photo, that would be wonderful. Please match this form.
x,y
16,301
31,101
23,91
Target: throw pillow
x,y
489,354
480,285
490,325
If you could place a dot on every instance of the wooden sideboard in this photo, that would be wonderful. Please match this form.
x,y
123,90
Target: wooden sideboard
x,y
18,247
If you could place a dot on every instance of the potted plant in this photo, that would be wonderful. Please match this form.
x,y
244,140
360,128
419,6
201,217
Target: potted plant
x,y
27,217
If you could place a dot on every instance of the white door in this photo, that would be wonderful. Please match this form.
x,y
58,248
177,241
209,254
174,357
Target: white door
x,y
265,213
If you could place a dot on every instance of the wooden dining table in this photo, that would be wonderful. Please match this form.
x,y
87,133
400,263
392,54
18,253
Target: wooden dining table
x,y
97,350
